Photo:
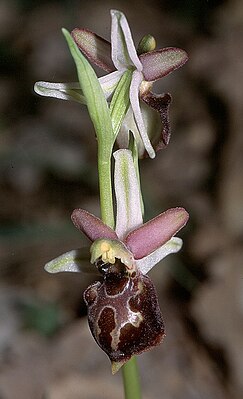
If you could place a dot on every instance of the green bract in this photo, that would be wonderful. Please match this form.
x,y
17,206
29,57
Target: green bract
x,y
100,116
95,98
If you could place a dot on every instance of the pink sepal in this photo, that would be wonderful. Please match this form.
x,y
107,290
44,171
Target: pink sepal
x,y
96,49
156,232
91,225
159,63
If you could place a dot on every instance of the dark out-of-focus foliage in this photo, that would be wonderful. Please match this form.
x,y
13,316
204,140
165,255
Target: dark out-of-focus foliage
x,y
48,168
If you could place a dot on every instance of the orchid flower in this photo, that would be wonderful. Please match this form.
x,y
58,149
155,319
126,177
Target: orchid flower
x,y
144,65
123,310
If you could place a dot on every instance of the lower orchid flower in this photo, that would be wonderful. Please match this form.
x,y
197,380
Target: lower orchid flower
x,y
123,309
145,65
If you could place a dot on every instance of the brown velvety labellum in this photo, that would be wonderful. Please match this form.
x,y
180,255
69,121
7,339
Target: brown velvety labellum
x,y
124,315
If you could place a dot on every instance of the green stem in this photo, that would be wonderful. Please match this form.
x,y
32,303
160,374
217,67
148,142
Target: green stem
x,y
131,381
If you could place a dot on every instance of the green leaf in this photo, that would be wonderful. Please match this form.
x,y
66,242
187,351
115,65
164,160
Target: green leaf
x,y
96,102
120,102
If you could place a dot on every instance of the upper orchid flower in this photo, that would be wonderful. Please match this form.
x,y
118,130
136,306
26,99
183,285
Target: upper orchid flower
x,y
123,309
146,66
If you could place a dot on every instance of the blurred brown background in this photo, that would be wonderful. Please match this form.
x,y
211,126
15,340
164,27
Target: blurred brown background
x,y
48,167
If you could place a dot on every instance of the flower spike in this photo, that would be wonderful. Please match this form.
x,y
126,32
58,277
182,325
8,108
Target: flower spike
x,y
123,309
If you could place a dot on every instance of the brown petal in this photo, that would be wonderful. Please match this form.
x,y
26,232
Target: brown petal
x,y
160,103
96,49
91,225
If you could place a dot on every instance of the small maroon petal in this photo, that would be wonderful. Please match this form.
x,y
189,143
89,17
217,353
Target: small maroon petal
x,y
160,103
96,49
159,63
91,225
156,232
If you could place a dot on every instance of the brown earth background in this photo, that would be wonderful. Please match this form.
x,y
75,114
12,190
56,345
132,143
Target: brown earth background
x,y
48,168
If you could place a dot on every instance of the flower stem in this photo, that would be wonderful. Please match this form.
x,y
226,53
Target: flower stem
x,y
131,381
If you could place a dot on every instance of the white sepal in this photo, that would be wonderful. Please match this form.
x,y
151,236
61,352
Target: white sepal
x,y
148,262
109,83
123,53
62,91
74,261
72,91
